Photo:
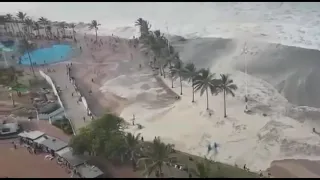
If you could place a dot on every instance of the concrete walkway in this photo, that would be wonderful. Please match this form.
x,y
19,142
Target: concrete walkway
x,y
75,111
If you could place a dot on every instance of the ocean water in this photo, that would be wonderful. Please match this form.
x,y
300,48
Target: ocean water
x,y
283,37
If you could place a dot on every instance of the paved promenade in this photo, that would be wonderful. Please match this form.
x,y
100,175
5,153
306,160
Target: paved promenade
x,y
75,110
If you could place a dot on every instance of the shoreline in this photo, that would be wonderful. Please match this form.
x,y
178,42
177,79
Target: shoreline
x,y
87,96
272,169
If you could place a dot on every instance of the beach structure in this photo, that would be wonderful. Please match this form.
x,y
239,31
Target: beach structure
x,y
9,128
58,148
50,144
30,136
86,171
71,160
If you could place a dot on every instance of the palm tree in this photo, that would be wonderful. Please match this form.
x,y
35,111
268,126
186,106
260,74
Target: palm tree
x,y
20,19
36,26
9,18
62,25
26,46
94,25
16,87
203,169
190,72
144,27
73,25
44,22
28,23
156,157
178,70
49,31
132,147
204,81
226,85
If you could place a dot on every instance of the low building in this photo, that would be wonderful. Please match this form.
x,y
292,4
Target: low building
x,y
9,128
31,135
51,144
72,160
87,171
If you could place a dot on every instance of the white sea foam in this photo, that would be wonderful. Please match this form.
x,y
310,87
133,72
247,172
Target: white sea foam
x,y
244,139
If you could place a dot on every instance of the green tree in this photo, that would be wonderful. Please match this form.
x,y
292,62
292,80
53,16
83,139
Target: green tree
x,y
28,24
156,157
203,169
26,46
227,86
20,19
73,25
104,137
82,141
94,25
36,26
178,70
62,25
49,31
190,72
144,27
44,22
9,18
130,147
205,81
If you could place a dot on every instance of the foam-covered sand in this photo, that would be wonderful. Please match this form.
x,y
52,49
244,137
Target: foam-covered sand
x,y
253,140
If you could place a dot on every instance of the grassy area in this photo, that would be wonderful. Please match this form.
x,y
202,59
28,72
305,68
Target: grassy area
x,y
64,125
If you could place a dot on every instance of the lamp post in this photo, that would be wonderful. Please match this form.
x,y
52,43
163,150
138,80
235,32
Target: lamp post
x,y
245,51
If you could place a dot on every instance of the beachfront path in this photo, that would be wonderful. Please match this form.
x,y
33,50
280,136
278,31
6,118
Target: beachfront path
x,y
75,111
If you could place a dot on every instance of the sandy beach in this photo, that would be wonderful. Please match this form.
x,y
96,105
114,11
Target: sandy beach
x,y
120,86
117,84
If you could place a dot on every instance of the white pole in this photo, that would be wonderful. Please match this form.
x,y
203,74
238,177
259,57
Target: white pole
x,y
168,36
246,72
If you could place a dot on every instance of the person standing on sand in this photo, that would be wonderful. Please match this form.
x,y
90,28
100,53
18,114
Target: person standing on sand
x,y
84,119
133,119
209,148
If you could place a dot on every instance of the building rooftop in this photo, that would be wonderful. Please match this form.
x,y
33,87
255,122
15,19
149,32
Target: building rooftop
x,y
52,143
33,135
67,154
9,128
87,171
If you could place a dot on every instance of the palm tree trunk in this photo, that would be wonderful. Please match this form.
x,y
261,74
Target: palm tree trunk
x,y
224,103
180,83
207,99
19,28
192,90
171,81
39,32
13,103
96,35
13,32
73,34
164,75
160,70
31,64
160,171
